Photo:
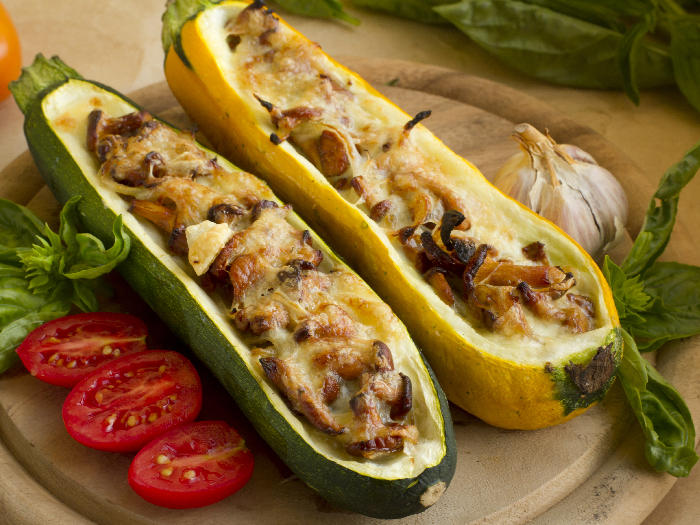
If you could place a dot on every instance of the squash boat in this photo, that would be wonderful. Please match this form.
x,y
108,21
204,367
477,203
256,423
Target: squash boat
x,y
515,319
321,366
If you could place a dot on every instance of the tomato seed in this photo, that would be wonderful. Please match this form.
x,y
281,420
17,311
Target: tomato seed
x,y
54,340
166,472
131,421
161,369
98,397
162,459
53,358
59,362
72,364
152,417
128,374
117,352
189,474
106,350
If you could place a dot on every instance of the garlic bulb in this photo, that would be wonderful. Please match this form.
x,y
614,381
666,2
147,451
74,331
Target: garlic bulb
x,y
567,186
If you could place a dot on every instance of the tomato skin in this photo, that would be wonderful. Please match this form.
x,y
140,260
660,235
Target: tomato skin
x,y
124,404
89,340
210,449
10,54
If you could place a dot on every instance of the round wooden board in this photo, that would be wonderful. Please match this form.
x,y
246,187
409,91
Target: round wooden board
x,y
590,470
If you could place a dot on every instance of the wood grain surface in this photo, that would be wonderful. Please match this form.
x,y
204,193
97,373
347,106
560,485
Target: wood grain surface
x,y
590,470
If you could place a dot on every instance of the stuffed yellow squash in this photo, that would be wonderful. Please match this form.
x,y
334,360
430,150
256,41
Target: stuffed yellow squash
x,y
514,317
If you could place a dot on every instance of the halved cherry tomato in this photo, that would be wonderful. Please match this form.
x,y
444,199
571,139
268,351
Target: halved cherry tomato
x,y
124,404
192,466
10,59
67,349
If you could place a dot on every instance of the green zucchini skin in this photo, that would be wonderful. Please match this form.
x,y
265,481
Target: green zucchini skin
x,y
172,301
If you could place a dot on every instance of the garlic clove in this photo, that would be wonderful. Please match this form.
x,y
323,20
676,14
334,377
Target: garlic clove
x,y
566,208
516,178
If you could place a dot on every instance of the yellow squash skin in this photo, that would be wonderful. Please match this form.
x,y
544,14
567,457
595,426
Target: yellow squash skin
x,y
502,392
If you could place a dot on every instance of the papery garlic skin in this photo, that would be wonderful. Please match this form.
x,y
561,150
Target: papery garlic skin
x,y
566,185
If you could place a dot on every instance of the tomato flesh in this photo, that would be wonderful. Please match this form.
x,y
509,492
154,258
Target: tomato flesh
x,y
192,466
124,404
65,350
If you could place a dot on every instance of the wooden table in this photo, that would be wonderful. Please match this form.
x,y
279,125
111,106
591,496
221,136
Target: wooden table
x,y
119,44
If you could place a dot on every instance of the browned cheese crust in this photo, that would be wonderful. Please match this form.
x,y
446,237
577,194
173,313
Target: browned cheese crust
x,y
308,329
403,188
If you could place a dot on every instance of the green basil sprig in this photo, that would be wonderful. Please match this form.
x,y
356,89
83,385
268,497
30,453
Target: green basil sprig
x,y
658,302
42,273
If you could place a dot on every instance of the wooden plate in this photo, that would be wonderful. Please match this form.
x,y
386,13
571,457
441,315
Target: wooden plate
x,y
590,470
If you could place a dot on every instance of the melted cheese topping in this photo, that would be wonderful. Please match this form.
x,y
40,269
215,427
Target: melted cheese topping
x,y
67,109
314,333
396,172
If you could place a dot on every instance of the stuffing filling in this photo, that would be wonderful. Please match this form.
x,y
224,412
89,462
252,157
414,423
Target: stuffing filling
x,y
318,335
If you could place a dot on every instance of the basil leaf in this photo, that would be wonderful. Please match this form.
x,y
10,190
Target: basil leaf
x,y
627,53
664,416
673,449
68,229
633,370
674,310
629,294
600,12
84,296
8,270
92,260
21,311
418,10
685,54
69,256
18,228
318,9
660,218
553,46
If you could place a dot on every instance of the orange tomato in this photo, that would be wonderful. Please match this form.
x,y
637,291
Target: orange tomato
x,y
10,55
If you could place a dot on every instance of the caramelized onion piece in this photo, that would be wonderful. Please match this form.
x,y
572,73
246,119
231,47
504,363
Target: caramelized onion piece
x,y
332,154
442,288
160,215
99,126
224,213
438,256
245,271
379,210
178,240
301,395
450,220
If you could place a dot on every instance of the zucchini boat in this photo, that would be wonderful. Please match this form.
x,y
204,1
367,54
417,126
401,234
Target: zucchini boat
x,y
515,319
319,364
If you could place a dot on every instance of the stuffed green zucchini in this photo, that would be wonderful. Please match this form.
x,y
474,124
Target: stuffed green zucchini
x,y
515,318
324,370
